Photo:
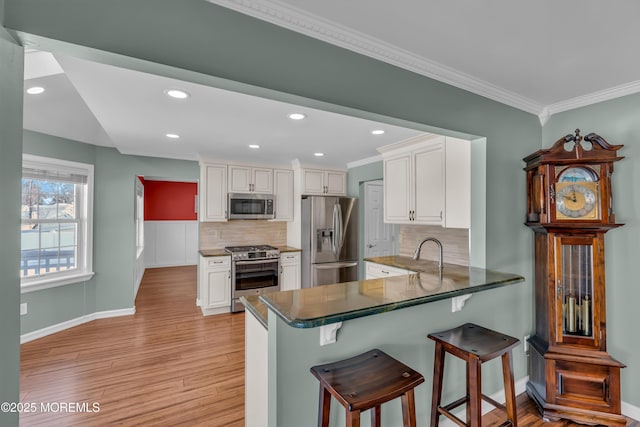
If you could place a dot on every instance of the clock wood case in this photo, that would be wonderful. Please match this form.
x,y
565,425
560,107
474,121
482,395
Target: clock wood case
x,y
569,208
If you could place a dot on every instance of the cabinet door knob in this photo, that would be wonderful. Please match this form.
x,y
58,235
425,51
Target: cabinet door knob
x,y
370,245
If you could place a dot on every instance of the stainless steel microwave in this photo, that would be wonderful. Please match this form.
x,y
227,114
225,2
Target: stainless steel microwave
x,y
251,206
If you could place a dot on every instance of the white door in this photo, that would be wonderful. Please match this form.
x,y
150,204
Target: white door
x,y
379,237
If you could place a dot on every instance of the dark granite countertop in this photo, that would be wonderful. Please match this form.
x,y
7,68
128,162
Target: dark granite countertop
x,y
322,305
253,304
213,252
289,249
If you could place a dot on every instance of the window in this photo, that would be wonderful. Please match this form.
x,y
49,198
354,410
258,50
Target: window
x,y
56,225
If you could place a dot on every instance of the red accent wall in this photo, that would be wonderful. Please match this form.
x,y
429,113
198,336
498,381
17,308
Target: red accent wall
x,y
169,201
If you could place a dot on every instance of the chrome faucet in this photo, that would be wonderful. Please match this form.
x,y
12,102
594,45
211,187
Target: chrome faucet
x,y
416,254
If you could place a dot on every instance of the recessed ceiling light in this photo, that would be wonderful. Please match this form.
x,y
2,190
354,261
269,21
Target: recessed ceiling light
x,y
254,146
35,90
177,93
297,116
377,132
172,135
318,154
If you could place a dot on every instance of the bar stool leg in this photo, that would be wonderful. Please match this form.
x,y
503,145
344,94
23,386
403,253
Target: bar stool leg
x,y
325,407
509,388
474,368
353,418
408,409
375,416
436,393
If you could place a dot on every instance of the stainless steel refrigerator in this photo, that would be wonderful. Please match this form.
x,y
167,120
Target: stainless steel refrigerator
x,y
329,240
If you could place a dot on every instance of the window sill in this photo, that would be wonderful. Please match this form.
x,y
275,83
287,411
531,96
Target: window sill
x,y
53,282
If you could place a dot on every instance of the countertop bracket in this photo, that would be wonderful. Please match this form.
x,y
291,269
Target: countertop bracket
x,y
328,333
457,303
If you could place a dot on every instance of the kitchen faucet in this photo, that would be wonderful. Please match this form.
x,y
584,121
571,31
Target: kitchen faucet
x,y
416,254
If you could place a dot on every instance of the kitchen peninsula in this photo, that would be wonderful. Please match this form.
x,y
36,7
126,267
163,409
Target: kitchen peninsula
x,y
388,313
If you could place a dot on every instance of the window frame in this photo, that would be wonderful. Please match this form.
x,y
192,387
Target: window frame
x,y
84,269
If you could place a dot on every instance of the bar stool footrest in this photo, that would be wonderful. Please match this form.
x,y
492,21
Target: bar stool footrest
x,y
455,404
446,413
494,403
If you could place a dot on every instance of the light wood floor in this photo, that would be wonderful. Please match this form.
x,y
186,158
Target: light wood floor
x,y
166,365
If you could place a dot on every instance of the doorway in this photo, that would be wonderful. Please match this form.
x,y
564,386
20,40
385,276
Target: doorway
x,y
379,238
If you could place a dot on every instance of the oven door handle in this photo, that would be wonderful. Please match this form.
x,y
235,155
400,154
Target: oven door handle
x,y
258,261
334,265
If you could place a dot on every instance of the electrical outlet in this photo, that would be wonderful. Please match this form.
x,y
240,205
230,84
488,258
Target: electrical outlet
x,y
23,309
525,343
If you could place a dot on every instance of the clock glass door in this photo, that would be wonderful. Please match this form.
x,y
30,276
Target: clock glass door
x,y
575,291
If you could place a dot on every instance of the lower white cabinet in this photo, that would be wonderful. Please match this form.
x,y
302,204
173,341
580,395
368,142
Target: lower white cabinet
x,y
289,271
376,271
215,284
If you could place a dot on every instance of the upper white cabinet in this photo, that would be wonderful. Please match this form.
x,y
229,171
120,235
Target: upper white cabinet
x,y
283,190
427,181
213,192
246,179
323,182
458,183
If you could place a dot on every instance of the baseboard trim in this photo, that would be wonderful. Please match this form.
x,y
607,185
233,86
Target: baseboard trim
x,y
628,410
30,336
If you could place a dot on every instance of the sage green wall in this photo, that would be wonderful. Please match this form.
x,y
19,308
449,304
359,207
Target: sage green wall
x,y
11,70
112,286
618,122
260,58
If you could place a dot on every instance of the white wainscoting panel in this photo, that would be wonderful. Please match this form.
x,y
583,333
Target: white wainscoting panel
x,y
170,243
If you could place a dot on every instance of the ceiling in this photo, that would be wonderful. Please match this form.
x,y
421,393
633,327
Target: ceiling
x,y
542,57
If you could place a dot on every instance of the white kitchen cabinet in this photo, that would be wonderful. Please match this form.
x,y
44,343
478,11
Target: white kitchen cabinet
x,y
289,271
427,181
376,271
213,192
215,284
324,182
458,183
283,190
247,179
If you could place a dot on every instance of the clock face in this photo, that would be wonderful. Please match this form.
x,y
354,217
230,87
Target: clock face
x,y
576,200
577,174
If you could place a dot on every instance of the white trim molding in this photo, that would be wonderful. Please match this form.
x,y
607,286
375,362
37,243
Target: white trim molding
x,y
30,336
590,99
312,25
322,29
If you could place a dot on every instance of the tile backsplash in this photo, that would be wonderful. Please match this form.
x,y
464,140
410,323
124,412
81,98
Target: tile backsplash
x,y
216,235
455,243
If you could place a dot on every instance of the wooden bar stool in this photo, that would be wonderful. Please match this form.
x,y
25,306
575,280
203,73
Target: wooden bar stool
x,y
475,345
366,381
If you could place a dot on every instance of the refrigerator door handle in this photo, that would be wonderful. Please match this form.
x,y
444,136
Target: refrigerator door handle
x,y
338,229
334,265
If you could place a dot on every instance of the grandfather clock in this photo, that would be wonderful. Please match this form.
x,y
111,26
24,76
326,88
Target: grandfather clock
x,y
569,208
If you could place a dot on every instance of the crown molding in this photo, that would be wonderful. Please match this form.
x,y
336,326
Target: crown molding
x,y
311,25
298,20
589,99
367,161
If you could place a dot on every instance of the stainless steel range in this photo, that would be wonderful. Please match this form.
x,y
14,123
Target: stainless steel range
x,y
254,270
